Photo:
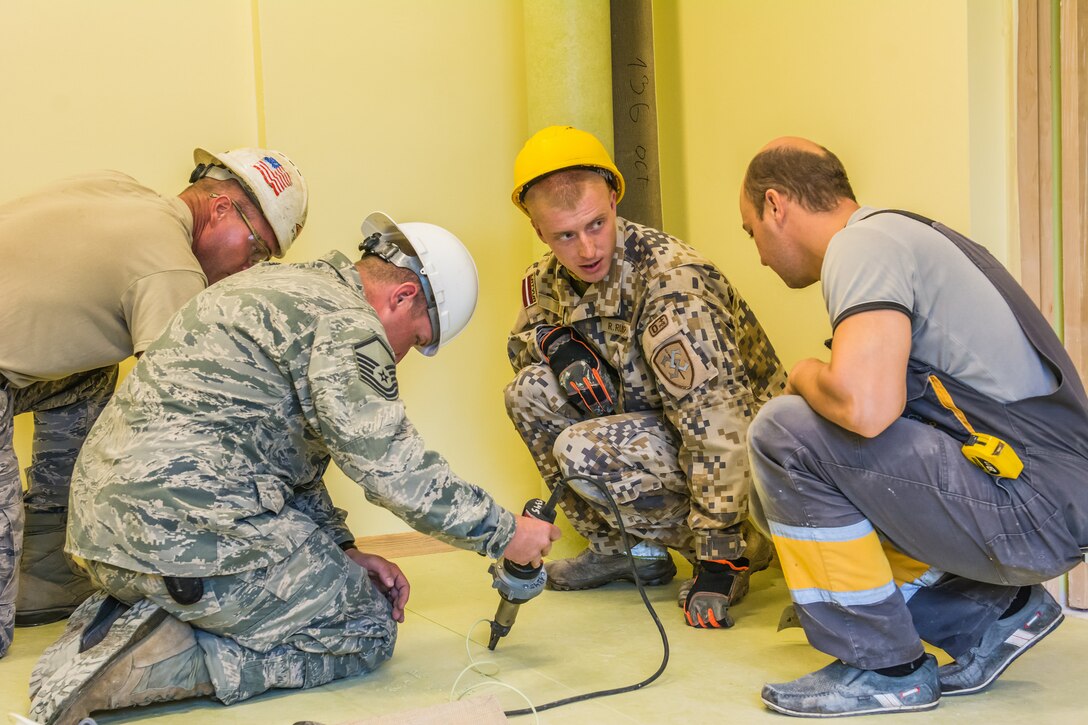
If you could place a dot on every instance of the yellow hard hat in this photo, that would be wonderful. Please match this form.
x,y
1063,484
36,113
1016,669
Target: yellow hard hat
x,y
559,147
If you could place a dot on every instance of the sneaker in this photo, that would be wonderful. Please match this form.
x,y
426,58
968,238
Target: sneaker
x,y
589,569
840,689
147,656
1004,641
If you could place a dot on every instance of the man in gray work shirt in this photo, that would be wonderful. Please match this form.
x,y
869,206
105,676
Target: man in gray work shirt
x,y
921,484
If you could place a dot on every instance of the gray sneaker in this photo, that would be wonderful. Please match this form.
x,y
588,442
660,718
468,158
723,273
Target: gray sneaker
x,y
1004,641
590,569
840,689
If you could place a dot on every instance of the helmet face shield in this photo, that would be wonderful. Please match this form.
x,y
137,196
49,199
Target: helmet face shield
x,y
395,248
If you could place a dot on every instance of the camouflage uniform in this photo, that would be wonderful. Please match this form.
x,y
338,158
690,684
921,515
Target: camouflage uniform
x,y
64,411
94,266
694,367
209,462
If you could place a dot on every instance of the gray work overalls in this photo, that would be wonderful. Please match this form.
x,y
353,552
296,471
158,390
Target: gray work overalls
x,y
981,536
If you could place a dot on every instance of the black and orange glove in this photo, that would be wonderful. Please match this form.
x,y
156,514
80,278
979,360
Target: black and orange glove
x,y
582,375
718,584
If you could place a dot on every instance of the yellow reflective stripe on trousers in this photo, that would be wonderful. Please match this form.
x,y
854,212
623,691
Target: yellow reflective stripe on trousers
x,y
845,565
905,570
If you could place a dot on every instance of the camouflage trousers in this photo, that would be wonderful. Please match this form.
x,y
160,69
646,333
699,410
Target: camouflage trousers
x,y
312,618
633,455
64,411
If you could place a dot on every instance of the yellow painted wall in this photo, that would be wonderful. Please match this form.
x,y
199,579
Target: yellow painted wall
x,y
119,84
415,108
418,107
912,95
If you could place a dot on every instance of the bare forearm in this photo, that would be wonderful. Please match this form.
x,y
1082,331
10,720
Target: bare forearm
x,y
864,413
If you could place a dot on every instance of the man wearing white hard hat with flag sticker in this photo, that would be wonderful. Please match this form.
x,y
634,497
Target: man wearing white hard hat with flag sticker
x,y
94,267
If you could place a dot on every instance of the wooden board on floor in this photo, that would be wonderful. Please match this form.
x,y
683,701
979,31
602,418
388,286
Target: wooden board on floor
x,y
410,543
474,711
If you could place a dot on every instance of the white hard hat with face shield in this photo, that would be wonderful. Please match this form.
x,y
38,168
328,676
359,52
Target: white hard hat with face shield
x,y
443,265
270,180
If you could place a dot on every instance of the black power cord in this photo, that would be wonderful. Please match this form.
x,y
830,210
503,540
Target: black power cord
x,y
649,608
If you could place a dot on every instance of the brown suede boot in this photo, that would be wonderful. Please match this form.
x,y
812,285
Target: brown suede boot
x,y
590,569
147,656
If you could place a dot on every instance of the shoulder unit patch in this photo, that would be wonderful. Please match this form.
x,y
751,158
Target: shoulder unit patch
x,y
678,364
673,362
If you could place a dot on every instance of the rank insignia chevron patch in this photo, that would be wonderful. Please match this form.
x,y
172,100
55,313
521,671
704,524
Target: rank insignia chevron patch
x,y
382,376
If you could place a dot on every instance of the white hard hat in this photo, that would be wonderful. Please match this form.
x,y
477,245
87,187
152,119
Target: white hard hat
x,y
271,181
442,263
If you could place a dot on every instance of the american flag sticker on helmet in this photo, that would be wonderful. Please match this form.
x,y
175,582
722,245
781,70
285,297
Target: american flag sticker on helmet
x,y
274,174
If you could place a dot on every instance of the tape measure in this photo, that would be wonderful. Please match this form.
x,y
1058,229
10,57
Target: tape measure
x,y
992,455
988,452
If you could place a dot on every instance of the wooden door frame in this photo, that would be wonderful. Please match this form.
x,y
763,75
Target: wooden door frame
x,y
1043,235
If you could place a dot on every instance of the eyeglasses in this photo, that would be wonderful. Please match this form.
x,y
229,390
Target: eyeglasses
x,y
262,250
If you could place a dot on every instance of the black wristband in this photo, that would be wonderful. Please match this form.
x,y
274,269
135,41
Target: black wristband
x,y
345,545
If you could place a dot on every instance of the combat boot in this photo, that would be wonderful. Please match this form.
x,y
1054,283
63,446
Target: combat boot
x,y
87,626
50,585
590,569
147,656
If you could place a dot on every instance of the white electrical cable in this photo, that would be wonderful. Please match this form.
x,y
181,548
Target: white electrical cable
x,y
20,720
490,673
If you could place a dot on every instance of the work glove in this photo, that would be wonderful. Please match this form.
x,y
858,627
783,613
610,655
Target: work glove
x,y
583,376
718,584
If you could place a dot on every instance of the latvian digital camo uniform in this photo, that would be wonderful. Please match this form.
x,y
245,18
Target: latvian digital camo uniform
x,y
209,461
693,367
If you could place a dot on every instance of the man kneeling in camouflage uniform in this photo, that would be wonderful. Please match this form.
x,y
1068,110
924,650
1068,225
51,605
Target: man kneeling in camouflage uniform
x,y
639,368
198,502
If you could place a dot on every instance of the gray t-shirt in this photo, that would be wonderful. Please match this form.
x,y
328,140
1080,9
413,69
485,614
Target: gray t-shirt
x,y
960,323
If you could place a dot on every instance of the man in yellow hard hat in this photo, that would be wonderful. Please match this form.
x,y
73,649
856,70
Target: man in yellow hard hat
x,y
638,369
93,268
